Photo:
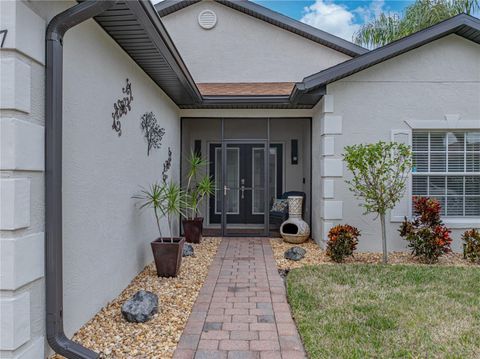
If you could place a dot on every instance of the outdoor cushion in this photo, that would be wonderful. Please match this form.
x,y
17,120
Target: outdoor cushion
x,y
280,205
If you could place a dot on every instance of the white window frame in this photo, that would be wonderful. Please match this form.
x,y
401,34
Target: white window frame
x,y
450,123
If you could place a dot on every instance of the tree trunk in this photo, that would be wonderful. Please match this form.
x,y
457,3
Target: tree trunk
x,y
384,238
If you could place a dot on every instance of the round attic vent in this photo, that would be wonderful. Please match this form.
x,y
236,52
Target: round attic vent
x,y
207,19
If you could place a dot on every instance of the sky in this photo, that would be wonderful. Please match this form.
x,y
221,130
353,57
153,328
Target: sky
x,y
338,17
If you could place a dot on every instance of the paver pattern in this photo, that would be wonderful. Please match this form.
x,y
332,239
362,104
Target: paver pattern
x,y
241,311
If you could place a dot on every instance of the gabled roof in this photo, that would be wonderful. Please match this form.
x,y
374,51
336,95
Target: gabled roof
x,y
461,25
136,27
167,7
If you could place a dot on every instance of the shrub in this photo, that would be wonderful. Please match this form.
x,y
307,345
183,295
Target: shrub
x,y
471,238
427,236
342,242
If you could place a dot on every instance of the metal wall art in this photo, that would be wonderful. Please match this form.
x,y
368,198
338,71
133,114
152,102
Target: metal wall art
x,y
166,165
152,131
121,107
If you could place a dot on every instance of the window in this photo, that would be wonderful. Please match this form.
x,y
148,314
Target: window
x,y
446,166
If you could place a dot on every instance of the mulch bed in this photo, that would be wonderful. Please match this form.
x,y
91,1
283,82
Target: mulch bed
x,y
113,337
316,255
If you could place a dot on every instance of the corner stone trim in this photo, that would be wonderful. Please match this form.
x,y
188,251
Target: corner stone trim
x,y
22,145
15,321
328,147
15,85
331,124
328,188
332,210
15,204
21,260
332,167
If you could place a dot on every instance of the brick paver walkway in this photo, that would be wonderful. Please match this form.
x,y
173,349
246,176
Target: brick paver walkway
x,y
241,311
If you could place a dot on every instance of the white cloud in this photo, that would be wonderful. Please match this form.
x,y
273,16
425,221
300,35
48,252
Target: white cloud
x,y
375,8
339,20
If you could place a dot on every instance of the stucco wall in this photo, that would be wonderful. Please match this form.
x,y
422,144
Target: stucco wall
x,y
426,84
102,171
241,48
106,238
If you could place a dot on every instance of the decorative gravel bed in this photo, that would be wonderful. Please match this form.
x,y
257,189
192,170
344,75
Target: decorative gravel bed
x,y
112,336
315,255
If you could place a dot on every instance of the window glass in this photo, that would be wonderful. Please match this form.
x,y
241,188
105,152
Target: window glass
x,y
446,166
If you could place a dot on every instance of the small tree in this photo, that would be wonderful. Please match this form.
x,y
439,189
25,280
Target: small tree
x,y
380,172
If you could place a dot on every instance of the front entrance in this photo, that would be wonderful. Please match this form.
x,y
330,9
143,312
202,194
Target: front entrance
x,y
255,163
246,188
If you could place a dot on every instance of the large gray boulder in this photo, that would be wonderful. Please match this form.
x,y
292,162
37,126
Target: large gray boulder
x,y
295,253
141,307
188,250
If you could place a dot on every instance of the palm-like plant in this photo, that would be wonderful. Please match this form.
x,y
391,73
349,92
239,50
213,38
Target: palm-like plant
x,y
197,188
418,16
166,199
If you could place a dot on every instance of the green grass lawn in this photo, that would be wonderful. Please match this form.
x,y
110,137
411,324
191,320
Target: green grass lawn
x,y
396,311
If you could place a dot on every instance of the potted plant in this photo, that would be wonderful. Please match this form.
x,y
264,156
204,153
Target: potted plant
x,y
166,200
198,187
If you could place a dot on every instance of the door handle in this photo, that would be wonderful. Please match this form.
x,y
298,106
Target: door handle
x,y
242,189
225,189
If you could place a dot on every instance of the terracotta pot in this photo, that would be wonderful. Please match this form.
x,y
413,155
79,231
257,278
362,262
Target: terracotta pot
x,y
192,229
167,255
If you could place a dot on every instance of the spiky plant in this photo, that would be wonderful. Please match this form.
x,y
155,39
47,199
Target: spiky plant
x,y
166,200
197,187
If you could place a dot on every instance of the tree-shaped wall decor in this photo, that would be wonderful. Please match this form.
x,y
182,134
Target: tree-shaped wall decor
x,y
152,131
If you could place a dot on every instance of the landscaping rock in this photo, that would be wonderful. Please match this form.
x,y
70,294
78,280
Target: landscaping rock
x,y
188,250
295,253
283,272
141,307
157,338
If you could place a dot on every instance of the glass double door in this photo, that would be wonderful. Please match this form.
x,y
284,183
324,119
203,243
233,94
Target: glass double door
x,y
242,190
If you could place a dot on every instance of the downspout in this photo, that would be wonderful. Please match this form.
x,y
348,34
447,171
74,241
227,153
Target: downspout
x,y
56,29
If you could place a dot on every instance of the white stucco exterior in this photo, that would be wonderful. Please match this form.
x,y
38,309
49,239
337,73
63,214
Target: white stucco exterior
x,y
106,238
102,171
241,48
421,87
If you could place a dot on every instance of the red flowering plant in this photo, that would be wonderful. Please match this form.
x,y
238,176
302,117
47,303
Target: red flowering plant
x,y
427,236
471,240
342,242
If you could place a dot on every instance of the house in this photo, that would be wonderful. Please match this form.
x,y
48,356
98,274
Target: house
x,y
270,102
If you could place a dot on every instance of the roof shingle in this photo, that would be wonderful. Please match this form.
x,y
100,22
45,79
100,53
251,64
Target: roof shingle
x,y
246,89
